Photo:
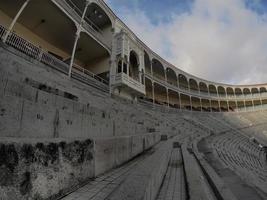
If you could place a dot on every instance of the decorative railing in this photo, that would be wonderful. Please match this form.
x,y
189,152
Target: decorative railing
x,y
37,53
89,26
123,78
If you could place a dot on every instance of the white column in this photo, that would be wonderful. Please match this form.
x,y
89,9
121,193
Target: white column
x,y
168,100
153,94
77,36
15,20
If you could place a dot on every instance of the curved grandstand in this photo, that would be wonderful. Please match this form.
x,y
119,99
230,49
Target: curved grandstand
x,y
88,111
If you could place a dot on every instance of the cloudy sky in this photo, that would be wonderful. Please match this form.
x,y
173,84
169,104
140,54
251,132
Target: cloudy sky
x,y
219,40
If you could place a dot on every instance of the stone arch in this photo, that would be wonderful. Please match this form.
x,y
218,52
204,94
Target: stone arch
x,y
257,104
212,90
160,93
246,91
224,106
183,82
249,105
255,91
238,92
174,99
185,101
263,90
221,91
97,17
230,92
196,104
158,69
134,65
171,76
232,106
215,106
193,85
203,88
241,106
205,105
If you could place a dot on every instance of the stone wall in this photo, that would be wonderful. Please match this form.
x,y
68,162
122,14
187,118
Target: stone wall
x,y
56,133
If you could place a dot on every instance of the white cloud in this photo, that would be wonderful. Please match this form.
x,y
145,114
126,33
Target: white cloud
x,y
220,40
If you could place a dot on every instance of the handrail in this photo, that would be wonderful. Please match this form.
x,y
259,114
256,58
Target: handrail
x,y
43,56
89,73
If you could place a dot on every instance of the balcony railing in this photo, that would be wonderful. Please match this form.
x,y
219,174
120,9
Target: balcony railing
x,y
123,78
89,26
43,56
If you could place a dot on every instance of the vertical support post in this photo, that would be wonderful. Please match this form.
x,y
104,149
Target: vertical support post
x,y
200,105
153,94
210,106
77,36
180,104
11,26
165,75
168,99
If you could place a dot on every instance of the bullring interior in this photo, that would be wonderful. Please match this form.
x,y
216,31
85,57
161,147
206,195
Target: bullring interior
x,y
86,108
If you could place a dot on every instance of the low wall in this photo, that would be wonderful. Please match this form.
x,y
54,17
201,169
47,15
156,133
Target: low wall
x,y
42,169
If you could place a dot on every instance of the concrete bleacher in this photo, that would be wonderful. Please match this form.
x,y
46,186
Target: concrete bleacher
x,y
68,113
242,156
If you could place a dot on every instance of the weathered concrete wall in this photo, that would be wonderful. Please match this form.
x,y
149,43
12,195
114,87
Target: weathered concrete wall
x,y
46,120
113,152
38,170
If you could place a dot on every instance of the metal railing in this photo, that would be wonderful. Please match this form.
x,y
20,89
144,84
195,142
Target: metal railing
x,y
43,56
33,51
88,73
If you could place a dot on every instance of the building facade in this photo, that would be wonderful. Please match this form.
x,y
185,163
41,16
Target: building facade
x,y
85,40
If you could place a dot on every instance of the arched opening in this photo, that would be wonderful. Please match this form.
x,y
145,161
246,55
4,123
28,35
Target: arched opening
x,y
205,105
149,89
173,99
230,92
215,106
212,90
193,85
203,88
241,106
246,92
238,93
185,102
255,92
264,103
97,18
134,66
158,69
257,104
171,77
232,106
92,57
147,63
183,83
221,91
249,105
196,104
224,106
160,94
